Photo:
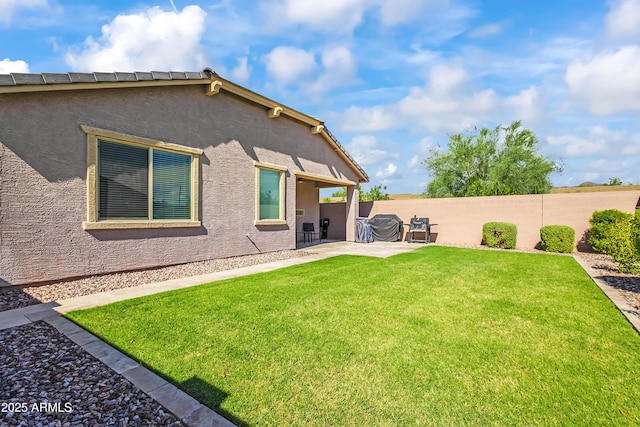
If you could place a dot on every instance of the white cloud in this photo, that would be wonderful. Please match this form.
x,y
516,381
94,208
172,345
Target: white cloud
x,y
423,57
425,145
597,140
575,146
357,119
622,23
609,83
448,103
8,66
541,60
366,150
389,171
340,70
528,105
610,166
339,60
414,163
446,79
486,31
340,16
633,148
440,18
241,72
286,64
9,7
400,11
151,40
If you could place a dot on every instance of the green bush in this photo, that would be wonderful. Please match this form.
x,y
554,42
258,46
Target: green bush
x,y
616,233
499,235
635,225
557,238
605,226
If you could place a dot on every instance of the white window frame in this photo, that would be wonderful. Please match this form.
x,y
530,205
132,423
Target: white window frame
x,y
282,220
93,222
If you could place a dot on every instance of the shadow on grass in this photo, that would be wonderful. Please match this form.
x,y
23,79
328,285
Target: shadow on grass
x,y
211,396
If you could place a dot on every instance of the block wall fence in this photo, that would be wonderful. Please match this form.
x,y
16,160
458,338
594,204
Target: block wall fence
x,y
460,219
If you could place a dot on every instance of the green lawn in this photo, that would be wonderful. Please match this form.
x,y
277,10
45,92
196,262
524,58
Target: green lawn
x,y
439,336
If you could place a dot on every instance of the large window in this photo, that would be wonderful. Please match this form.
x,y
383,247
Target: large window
x,y
270,206
127,190
139,183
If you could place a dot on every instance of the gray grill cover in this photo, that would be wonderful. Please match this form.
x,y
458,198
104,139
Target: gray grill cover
x,y
386,227
363,230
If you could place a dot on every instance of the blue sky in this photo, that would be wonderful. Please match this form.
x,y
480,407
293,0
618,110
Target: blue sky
x,y
392,79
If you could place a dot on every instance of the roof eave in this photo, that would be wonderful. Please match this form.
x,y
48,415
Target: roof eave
x,y
50,82
99,85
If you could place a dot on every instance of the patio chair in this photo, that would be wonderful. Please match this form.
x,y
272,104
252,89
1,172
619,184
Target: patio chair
x,y
308,231
420,225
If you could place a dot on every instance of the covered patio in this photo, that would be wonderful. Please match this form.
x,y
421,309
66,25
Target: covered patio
x,y
308,187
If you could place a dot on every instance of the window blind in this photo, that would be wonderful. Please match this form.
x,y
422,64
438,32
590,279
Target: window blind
x,y
124,183
171,185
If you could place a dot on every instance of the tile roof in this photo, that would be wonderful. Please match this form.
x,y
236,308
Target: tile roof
x,y
29,79
21,79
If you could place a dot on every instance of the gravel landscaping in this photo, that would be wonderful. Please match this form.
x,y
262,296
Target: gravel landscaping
x,y
628,285
48,380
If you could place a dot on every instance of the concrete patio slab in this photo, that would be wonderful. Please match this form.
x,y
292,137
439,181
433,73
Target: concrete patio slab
x,y
375,249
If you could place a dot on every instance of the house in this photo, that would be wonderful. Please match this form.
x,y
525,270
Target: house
x,y
105,172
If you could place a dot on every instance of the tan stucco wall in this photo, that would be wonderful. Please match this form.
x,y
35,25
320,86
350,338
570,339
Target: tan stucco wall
x,y
460,220
43,160
307,198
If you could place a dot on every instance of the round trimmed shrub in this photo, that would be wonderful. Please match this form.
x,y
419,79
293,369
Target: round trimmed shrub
x,y
499,235
557,238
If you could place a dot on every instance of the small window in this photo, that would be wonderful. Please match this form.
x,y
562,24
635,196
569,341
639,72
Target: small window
x,y
270,204
138,183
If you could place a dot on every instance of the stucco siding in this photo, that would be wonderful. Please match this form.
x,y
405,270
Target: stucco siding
x,y
43,161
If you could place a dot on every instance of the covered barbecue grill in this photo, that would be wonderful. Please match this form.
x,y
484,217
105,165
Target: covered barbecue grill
x,y
386,227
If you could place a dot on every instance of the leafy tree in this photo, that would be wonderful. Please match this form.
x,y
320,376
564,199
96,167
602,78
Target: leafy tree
x,y
340,194
488,162
375,193
614,181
